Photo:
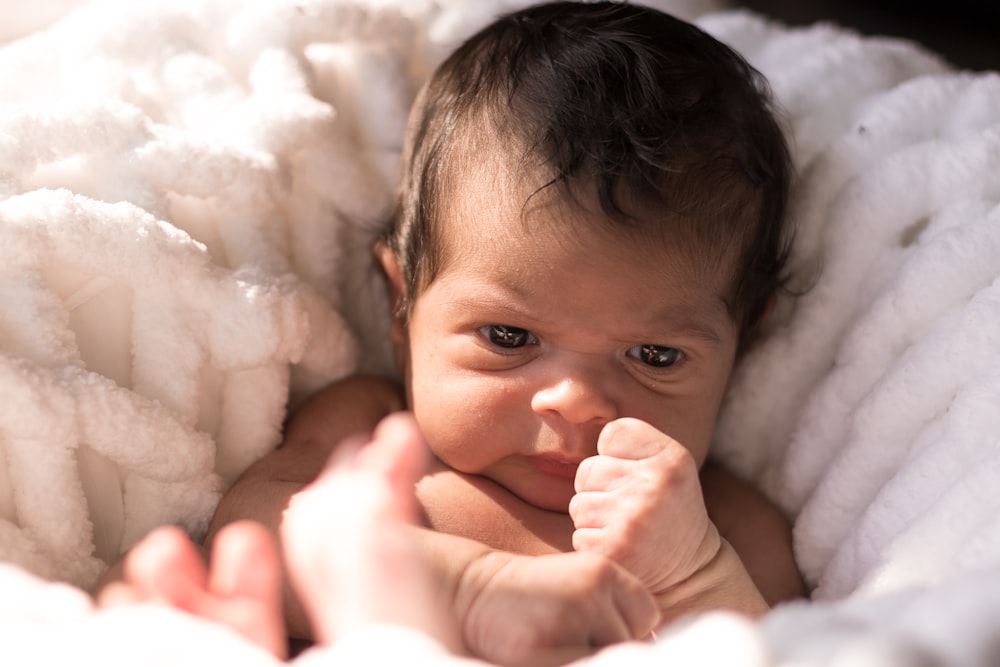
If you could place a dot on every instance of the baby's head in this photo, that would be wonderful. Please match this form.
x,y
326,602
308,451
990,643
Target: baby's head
x,y
589,225
669,133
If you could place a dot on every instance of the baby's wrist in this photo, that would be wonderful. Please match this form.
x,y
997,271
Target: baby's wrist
x,y
723,583
476,576
471,588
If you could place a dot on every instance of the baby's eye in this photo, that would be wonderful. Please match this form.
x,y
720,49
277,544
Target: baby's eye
x,y
656,355
502,335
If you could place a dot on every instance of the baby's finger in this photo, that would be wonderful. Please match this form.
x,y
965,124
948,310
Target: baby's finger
x,y
634,439
592,509
629,610
611,629
591,540
637,607
602,473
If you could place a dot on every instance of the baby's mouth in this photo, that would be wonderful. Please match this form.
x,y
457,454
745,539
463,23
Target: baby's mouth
x,y
555,466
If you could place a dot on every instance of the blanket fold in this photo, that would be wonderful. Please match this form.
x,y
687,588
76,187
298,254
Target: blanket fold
x,y
846,411
189,191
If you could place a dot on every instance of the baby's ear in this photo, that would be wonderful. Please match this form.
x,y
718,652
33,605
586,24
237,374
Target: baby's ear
x,y
754,332
766,313
387,260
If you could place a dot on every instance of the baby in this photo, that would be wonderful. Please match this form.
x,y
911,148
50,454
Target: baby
x,y
589,230
378,600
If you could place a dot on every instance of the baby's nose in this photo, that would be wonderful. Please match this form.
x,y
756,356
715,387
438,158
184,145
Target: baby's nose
x,y
579,399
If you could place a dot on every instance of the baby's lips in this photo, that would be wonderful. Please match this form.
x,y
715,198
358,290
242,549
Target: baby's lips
x,y
556,466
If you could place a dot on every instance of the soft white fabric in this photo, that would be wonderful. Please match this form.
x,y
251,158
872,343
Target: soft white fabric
x,y
44,623
869,409
188,191
188,194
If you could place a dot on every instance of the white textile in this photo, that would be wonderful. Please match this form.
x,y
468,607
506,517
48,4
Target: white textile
x,y
188,193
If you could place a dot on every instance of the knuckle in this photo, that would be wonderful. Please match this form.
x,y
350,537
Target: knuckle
x,y
582,540
629,532
584,473
583,510
590,542
679,465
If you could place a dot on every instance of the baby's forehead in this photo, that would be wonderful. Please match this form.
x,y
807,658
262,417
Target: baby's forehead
x,y
621,281
497,191
550,221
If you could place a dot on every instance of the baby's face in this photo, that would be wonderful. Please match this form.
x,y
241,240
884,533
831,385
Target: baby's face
x,y
538,332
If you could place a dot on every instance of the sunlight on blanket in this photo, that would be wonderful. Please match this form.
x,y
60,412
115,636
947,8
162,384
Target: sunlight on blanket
x,y
187,206
174,233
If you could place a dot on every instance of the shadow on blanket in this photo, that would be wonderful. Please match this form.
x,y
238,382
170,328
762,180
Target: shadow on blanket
x,y
188,191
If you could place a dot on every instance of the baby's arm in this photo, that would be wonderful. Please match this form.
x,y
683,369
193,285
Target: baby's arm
x,y
640,502
494,595
757,530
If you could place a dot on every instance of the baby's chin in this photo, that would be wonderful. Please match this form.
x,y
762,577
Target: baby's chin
x,y
546,492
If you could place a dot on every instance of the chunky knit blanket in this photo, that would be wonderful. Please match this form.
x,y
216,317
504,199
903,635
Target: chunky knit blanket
x,y
188,192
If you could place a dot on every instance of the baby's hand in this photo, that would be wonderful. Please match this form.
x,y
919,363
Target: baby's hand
x,y
639,502
551,609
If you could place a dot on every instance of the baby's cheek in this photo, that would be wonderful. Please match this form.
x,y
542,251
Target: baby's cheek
x,y
448,434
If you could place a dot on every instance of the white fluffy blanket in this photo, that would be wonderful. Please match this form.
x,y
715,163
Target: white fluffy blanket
x,y
188,190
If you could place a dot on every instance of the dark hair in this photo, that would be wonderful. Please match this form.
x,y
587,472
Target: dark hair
x,y
669,125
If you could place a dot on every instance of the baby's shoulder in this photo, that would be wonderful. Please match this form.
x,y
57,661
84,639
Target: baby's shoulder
x,y
352,405
756,528
732,501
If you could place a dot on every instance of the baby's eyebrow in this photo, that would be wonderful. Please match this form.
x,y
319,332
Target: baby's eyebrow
x,y
705,322
663,334
690,322
489,301
704,333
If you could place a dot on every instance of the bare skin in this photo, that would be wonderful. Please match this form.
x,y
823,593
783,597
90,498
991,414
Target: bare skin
x,y
240,587
490,517
364,497
568,387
